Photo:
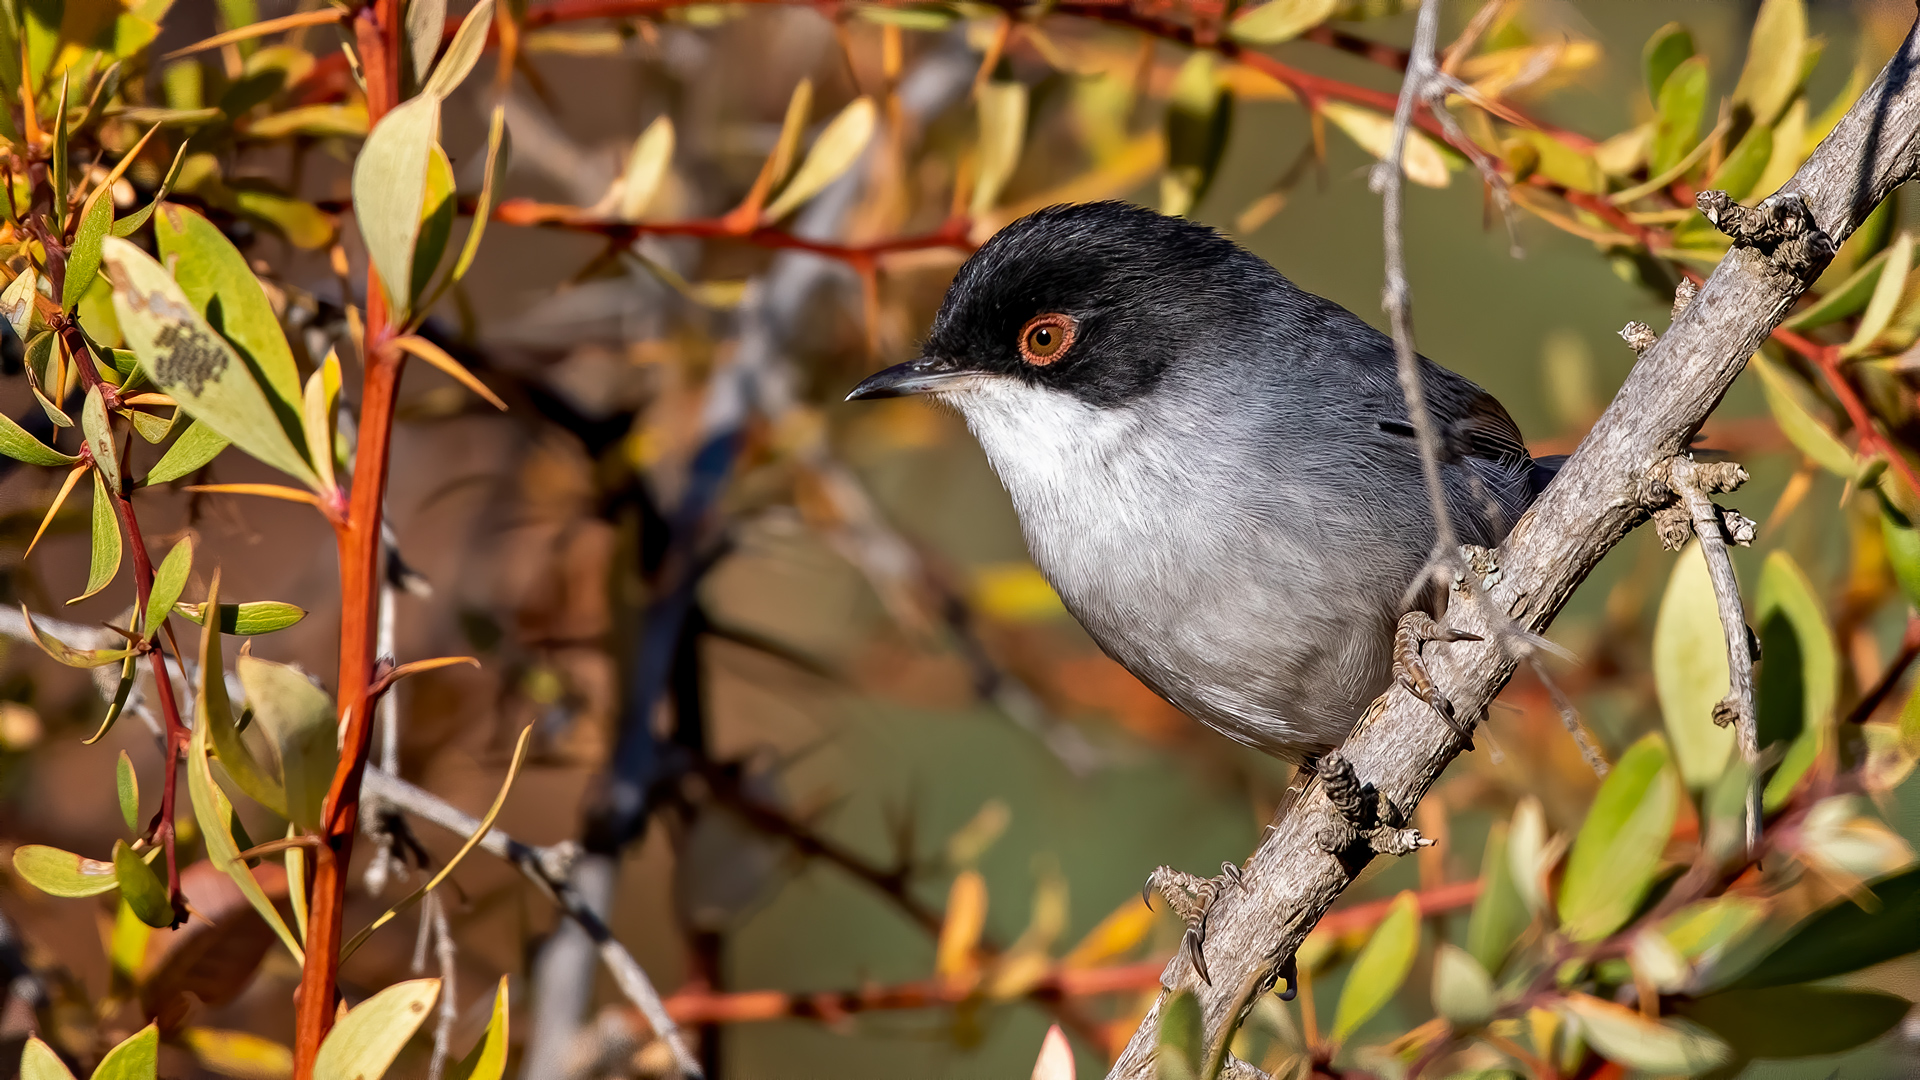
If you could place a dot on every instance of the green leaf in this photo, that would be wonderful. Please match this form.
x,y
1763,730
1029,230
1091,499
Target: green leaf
x,y
106,542
194,365
67,654
1500,913
119,702
1774,53
1623,1035
214,813
60,163
840,144
1743,167
1798,682
1462,989
368,1038
127,226
499,150
62,873
1423,162
1703,931
1199,117
488,1059
1690,670
1843,299
16,303
1182,1039
298,720
1003,127
216,712
1529,853
98,429
1886,296
127,783
647,167
152,429
1280,20
1380,968
436,223
1617,851
389,189
221,286
39,1062
1682,104
138,1058
196,446
20,446
1844,937
1557,161
248,619
1796,1021
465,51
1793,403
1903,546
83,259
140,887
169,581
1665,50
426,22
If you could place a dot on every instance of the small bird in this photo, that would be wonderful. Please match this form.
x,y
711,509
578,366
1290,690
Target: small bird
x,y
1213,467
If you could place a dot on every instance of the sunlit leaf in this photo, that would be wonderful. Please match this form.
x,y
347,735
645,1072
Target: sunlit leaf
x,y
1003,130
1199,116
1682,104
1789,142
316,409
1462,989
1381,967
197,445
1280,20
83,258
1792,404
39,1062
67,654
1556,161
1528,851
127,226
1886,296
436,222
960,930
225,291
1796,1021
140,887
1843,299
237,1053
194,365
1744,165
1843,836
216,712
62,873
1116,935
1056,1057
1618,849
416,345
1798,682
499,150
463,53
127,784
248,619
785,148
1422,161
840,144
20,446
169,580
1774,52
1182,1039
488,1059
426,22
389,189
16,303
348,121
1665,50
647,168
1500,913
298,720
98,429
302,223
370,1036
105,560
1624,1036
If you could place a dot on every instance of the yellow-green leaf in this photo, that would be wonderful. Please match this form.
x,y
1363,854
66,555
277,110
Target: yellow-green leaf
x,y
1886,295
1618,849
83,258
463,53
1500,912
127,784
499,149
140,887
298,720
1003,131
39,1062
1792,405
1422,161
62,873
194,365
1199,116
1462,989
389,189
1798,682
1280,20
98,429
488,1059
237,1053
369,1037
119,702
840,144
1380,968
245,620
216,713
1690,670
1773,71
1665,50
1743,167
1182,1039
1673,1047
1843,299
105,561
1682,103
221,286
647,168
20,446
196,446
169,580
67,654
436,222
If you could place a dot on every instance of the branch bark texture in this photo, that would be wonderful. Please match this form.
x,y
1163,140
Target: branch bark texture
x,y
1600,495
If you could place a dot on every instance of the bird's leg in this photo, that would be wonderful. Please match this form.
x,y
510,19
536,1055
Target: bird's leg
x,y
1365,814
1410,670
1191,897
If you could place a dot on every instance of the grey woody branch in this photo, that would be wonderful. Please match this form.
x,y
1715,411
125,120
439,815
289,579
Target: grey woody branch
x,y
1601,495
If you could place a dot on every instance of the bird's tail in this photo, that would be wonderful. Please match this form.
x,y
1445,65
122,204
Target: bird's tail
x,y
1544,470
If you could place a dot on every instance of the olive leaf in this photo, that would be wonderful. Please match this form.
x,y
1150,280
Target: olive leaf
x,y
370,1036
389,191
840,144
1003,128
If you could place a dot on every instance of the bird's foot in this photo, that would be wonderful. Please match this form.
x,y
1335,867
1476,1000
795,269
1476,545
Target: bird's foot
x,y
1410,669
1191,897
1365,814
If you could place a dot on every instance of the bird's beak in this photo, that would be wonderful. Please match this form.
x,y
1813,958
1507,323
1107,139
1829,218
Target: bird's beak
x,y
927,374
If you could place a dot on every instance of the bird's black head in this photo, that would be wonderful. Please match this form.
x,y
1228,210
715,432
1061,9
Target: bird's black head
x,y
1094,300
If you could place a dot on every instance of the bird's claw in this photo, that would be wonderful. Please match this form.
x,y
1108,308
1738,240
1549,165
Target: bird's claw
x,y
1410,669
1191,897
1365,814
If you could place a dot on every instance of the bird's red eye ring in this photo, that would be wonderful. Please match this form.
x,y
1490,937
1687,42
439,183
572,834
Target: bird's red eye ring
x,y
1046,338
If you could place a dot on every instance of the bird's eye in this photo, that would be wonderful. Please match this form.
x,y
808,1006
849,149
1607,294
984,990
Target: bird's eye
x,y
1045,338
